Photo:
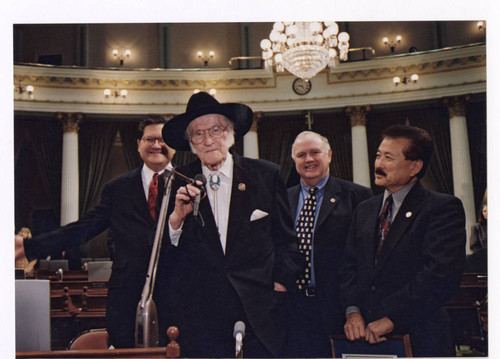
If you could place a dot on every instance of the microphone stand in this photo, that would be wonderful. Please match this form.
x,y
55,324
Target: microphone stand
x,y
146,318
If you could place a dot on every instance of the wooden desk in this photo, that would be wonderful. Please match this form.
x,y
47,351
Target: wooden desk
x,y
110,353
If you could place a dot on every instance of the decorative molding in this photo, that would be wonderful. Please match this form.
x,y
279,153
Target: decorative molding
x,y
448,72
456,105
70,121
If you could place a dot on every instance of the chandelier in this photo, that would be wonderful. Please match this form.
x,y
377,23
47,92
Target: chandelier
x,y
304,48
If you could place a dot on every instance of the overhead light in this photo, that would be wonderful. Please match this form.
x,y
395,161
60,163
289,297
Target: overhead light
x,y
392,43
124,55
212,92
205,58
481,25
304,48
28,90
405,80
115,93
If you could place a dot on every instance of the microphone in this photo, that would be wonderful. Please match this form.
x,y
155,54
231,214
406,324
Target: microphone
x,y
239,334
196,203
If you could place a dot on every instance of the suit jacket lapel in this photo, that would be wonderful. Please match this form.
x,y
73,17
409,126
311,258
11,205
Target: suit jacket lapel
x,y
410,207
330,198
239,197
372,222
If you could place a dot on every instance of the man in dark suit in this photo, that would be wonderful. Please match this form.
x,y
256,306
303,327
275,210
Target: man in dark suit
x,y
123,210
235,260
315,311
405,252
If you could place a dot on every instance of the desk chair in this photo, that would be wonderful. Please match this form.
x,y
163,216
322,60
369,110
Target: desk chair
x,y
90,339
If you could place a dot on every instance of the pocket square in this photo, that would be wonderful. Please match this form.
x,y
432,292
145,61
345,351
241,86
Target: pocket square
x,y
258,214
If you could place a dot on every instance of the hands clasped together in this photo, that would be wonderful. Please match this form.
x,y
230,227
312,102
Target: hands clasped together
x,y
374,332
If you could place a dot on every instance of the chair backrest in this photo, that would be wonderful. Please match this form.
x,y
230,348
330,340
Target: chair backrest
x,y
90,339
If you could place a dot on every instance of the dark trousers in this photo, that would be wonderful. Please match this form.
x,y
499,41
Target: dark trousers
x,y
307,337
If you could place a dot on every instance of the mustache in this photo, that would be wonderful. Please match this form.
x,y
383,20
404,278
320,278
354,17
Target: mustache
x,y
380,171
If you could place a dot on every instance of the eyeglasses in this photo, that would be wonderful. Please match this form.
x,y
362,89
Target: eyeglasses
x,y
216,131
152,140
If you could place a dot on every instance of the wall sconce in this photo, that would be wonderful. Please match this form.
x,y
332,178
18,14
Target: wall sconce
x,y
116,93
405,80
481,26
24,90
205,59
212,92
392,44
122,56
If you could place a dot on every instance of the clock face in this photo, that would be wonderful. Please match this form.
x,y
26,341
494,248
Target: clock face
x,y
301,86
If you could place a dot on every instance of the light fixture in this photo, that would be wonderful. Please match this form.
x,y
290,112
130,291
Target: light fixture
x,y
405,80
393,43
212,92
205,59
115,93
304,48
481,26
28,90
126,54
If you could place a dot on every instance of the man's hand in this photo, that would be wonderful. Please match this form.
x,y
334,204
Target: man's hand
x,y
376,330
183,205
354,327
19,247
278,287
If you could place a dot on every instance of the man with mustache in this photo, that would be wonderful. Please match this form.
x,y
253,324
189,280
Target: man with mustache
x,y
405,251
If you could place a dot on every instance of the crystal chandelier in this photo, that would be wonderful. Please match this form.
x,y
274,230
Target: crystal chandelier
x,y
304,48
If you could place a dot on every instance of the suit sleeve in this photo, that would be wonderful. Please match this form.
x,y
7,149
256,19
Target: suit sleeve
x,y
74,234
443,255
288,259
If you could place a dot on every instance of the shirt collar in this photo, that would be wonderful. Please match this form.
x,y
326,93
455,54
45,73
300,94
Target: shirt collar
x,y
320,185
226,169
399,196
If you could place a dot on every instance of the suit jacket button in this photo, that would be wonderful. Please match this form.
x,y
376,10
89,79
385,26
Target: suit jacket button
x,y
372,288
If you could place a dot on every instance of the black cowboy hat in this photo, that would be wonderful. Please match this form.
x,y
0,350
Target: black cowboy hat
x,y
201,104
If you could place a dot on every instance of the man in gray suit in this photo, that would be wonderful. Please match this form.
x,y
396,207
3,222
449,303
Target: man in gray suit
x,y
315,311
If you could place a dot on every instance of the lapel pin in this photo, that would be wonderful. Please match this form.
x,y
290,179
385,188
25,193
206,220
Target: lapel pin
x,y
332,200
409,214
242,187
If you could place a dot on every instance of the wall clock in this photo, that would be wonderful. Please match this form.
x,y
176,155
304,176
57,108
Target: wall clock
x,y
301,86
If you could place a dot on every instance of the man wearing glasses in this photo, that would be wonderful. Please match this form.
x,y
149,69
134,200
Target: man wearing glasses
x,y
128,210
235,259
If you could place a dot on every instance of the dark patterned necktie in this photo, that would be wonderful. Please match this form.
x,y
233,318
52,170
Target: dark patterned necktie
x,y
384,223
152,195
304,229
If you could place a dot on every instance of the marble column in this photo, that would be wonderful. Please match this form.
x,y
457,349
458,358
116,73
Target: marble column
x,y
360,161
251,140
460,157
70,178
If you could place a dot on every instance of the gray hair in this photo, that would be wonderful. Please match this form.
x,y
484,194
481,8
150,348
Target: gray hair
x,y
224,122
309,133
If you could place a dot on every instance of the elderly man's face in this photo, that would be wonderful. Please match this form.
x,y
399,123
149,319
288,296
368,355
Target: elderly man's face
x,y
208,136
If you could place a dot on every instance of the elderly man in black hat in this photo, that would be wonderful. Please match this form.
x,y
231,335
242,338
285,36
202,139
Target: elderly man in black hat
x,y
235,259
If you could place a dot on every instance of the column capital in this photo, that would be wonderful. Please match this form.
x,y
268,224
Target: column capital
x,y
257,117
456,105
70,121
357,114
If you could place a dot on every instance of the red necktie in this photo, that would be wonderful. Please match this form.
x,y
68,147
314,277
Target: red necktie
x,y
152,194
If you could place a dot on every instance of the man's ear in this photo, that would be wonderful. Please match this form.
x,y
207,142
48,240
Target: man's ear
x,y
138,143
416,167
